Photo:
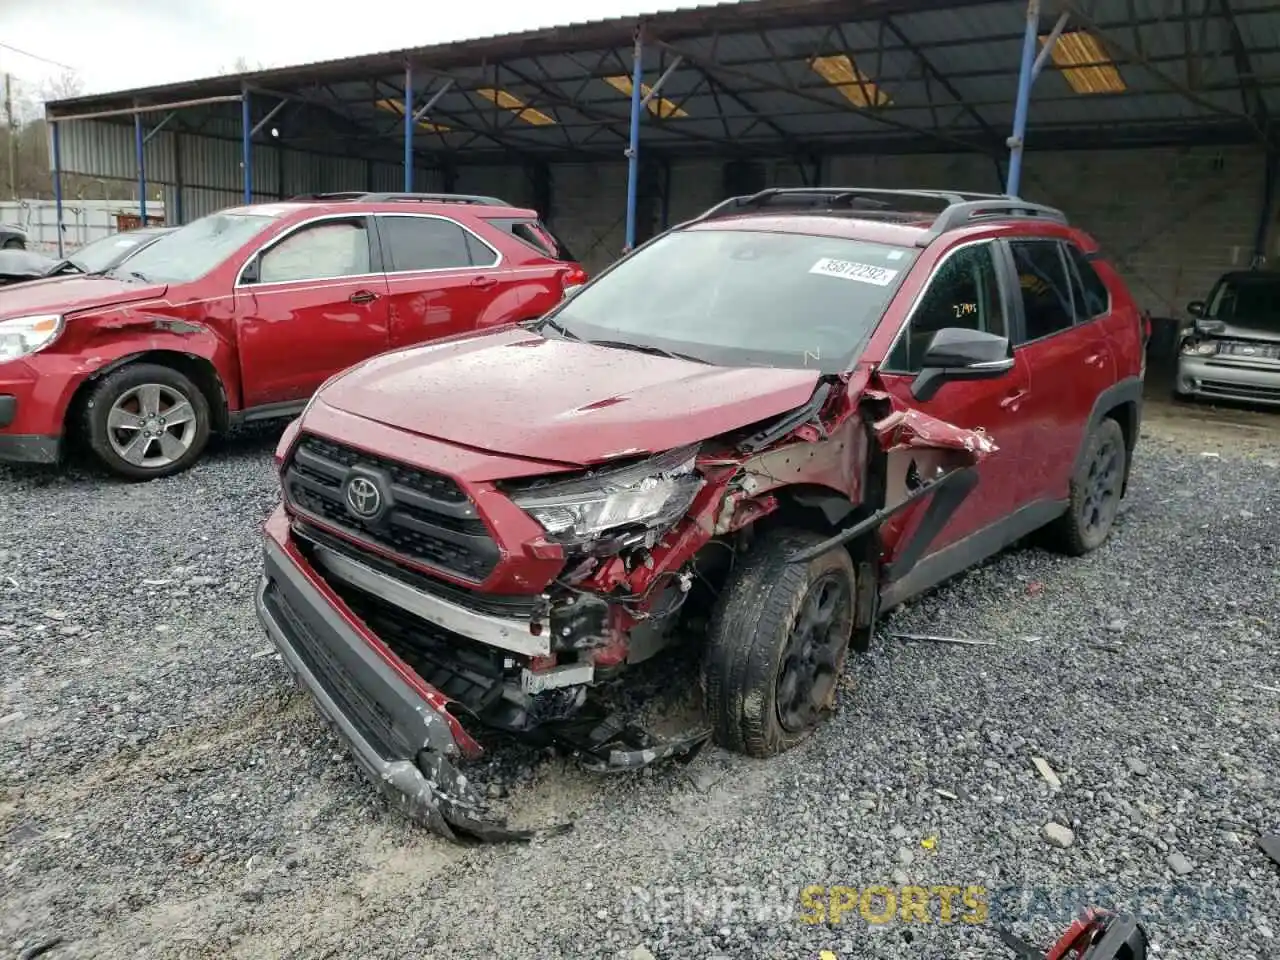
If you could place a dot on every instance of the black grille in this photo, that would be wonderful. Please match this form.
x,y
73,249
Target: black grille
x,y
1230,389
369,717
461,669
523,605
429,519
1249,351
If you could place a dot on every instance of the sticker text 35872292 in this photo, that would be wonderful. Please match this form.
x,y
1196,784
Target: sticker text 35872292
x,y
849,270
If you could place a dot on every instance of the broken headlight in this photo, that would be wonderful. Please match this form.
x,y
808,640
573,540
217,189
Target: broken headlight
x,y
1200,348
653,494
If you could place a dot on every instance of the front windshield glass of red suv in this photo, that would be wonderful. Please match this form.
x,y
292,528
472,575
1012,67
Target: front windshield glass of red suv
x,y
741,298
191,252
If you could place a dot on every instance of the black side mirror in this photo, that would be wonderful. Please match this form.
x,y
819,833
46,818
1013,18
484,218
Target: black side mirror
x,y
252,270
1196,308
958,354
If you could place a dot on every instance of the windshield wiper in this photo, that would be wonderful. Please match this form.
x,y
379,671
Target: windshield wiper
x,y
139,276
559,328
645,348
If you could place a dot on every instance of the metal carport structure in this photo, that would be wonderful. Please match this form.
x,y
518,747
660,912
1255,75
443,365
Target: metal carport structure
x,y
766,78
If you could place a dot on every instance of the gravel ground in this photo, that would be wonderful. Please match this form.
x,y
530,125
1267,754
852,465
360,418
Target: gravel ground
x,y
165,791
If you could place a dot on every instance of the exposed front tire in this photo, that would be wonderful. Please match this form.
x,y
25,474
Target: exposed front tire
x,y
13,243
1096,490
777,644
146,421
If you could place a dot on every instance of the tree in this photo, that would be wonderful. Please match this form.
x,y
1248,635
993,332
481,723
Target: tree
x,y
28,175
242,65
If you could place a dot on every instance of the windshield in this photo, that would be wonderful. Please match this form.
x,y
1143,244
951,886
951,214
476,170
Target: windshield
x,y
102,254
1248,302
195,249
742,298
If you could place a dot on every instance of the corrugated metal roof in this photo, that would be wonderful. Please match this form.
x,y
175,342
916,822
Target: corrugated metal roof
x,y
944,75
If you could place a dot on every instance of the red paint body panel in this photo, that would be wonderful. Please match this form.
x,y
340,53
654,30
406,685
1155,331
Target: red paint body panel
x,y
276,342
560,400
292,337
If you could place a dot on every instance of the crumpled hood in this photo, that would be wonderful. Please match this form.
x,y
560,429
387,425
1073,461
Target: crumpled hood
x,y
72,295
516,393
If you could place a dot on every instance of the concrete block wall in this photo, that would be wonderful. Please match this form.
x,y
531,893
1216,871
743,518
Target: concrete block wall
x,y
1170,219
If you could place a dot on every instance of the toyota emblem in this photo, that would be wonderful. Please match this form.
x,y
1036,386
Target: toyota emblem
x,y
364,498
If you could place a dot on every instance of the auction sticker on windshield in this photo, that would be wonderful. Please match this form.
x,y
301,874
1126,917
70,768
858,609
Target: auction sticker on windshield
x,y
848,270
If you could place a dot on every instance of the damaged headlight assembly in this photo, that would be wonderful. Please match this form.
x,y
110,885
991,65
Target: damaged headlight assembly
x,y
652,495
1200,348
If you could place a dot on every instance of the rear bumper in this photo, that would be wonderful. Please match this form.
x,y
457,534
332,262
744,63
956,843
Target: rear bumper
x,y
405,743
1212,379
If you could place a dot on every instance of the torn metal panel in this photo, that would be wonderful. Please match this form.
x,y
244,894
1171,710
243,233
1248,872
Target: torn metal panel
x,y
907,428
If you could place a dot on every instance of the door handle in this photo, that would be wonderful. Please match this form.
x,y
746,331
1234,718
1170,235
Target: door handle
x,y
363,296
1013,399
483,282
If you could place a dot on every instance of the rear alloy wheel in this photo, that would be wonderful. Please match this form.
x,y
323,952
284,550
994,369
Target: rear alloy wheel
x,y
778,645
147,421
1096,490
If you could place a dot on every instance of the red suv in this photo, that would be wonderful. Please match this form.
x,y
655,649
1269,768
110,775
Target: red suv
x,y
753,434
242,314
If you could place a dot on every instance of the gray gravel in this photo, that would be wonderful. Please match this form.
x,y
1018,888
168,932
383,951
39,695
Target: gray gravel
x,y
165,792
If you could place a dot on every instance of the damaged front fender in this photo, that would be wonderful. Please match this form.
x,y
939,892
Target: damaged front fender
x,y
924,458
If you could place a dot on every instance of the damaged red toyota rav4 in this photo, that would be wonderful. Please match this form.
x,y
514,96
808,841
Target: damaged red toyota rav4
x,y
778,419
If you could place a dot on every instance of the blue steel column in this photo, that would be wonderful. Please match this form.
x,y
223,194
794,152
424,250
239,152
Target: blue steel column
x,y
57,182
246,144
1024,97
142,167
633,151
408,128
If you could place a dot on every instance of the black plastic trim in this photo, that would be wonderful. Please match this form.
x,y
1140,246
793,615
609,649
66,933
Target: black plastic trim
x,y
30,448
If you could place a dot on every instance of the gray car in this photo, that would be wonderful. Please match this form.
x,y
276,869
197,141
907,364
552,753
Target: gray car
x,y
12,237
1232,349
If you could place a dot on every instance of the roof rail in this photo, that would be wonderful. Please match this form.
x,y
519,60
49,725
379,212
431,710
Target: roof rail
x,y
951,208
368,197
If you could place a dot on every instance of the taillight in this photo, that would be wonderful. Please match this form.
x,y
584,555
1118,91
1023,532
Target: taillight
x,y
572,279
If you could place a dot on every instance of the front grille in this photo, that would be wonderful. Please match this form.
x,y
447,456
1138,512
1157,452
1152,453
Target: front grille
x,y
519,606
468,672
372,721
1249,351
429,518
1244,391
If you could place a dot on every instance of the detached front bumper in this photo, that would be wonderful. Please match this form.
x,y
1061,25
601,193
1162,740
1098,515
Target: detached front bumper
x,y
404,744
1226,380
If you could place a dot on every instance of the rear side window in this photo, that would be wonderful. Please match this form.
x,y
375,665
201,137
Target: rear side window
x,y
1045,286
1093,299
431,243
535,234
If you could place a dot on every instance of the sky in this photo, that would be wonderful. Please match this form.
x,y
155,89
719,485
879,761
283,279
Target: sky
x,y
121,44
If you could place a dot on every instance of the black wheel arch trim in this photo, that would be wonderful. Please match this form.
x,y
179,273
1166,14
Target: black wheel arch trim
x,y
1118,396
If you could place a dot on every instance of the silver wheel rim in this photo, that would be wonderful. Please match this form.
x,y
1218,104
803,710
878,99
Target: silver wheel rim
x,y
151,426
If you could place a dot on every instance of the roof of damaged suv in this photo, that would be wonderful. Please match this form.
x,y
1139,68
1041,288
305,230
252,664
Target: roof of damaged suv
x,y
845,226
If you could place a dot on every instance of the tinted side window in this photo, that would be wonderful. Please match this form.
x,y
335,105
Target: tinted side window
x,y
481,255
1096,298
963,292
424,243
534,233
1045,286
334,248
